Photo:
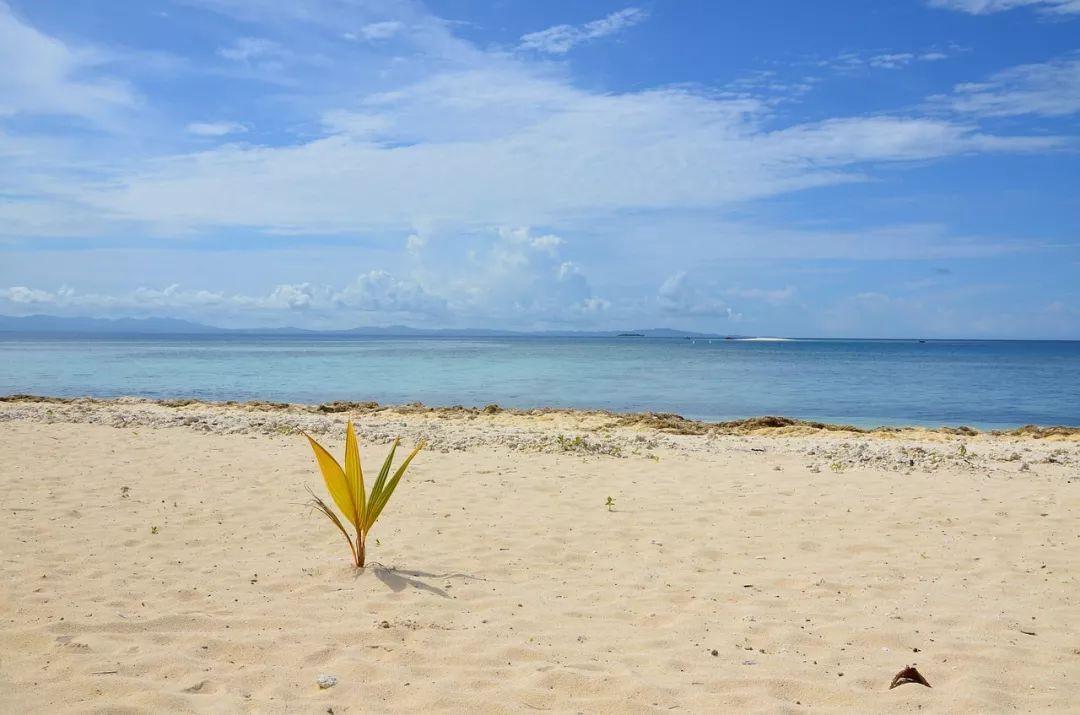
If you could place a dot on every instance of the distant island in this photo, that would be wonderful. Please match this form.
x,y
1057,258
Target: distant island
x,y
52,324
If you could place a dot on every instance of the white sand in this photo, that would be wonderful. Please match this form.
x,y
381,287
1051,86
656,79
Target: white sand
x,y
813,563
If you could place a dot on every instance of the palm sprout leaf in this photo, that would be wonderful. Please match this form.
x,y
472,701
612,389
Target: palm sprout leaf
x,y
354,475
336,482
376,506
377,487
319,504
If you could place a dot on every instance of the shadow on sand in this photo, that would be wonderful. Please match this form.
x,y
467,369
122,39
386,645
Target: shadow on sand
x,y
400,579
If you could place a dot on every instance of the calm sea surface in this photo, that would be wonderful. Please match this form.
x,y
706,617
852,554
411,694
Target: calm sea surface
x,y
864,382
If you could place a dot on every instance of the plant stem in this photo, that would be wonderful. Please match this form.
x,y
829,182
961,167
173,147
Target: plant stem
x,y
360,554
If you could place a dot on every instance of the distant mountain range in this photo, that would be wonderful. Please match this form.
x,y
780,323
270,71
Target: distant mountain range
x,y
162,326
56,324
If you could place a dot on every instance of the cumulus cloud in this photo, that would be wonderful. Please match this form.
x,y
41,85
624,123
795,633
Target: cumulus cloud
x,y
27,296
413,146
372,292
560,39
986,7
379,292
520,276
679,295
289,296
415,243
142,298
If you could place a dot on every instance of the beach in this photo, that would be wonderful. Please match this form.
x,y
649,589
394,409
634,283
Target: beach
x,y
159,556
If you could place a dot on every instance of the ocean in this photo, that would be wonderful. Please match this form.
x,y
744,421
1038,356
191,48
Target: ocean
x,y
983,384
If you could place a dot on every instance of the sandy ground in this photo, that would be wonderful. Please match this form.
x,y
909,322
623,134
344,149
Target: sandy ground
x,y
157,558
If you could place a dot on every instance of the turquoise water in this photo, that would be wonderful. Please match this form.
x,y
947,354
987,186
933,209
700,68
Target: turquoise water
x,y
864,382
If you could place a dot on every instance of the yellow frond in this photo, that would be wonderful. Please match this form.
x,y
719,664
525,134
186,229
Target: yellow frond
x,y
375,507
354,474
336,483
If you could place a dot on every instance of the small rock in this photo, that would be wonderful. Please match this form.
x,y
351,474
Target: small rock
x,y
326,681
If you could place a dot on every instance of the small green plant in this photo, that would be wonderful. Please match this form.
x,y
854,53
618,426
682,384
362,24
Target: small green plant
x,y
963,450
346,487
570,445
153,530
610,504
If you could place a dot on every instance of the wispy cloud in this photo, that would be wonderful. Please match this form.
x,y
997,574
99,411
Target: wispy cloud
x,y
986,7
852,60
215,129
469,183
560,39
246,49
377,31
1046,89
576,152
770,295
43,75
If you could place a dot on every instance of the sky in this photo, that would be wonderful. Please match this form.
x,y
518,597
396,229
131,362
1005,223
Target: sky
x,y
777,167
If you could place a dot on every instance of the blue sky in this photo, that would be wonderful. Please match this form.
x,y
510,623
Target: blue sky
x,y
907,168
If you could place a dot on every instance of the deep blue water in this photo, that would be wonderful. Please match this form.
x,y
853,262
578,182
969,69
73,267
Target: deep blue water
x,y
864,382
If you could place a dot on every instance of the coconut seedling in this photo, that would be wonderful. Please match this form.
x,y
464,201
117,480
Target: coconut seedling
x,y
346,487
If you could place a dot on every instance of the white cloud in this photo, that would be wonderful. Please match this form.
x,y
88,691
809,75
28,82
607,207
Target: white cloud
x,y
986,7
414,243
560,39
574,153
1047,89
680,296
512,275
27,296
215,129
415,151
517,277
246,49
379,30
42,75
142,298
430,34
379,292
295,296
374,291
359,125
852,61
775,295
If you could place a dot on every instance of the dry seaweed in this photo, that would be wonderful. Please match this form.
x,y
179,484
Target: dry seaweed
x,y
910,674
